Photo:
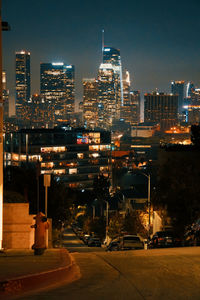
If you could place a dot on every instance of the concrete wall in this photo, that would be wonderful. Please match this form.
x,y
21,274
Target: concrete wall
x,y
17,233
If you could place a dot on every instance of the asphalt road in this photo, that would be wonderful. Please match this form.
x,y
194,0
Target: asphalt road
x,y
142,274
74,244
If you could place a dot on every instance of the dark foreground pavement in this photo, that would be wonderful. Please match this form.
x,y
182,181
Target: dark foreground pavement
x,y
145,274
21,271
157,274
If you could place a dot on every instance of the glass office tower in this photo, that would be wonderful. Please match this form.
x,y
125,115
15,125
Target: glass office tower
x,y
23,83
57,86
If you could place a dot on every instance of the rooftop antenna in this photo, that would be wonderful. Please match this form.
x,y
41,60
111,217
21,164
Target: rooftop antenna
x,y
102,43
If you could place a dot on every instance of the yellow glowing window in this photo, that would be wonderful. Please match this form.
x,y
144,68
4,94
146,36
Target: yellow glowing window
x,y
59,172
94,148
80,155
73,171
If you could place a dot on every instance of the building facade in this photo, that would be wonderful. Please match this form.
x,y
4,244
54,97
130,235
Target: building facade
x,y
178,88
74,156
23,83
125,112
161,108
109,98
135,107
5,96
90,102
110,88
57,87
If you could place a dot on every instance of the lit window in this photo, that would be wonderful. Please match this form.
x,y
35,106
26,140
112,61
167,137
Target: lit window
x,y
59,172
80,155
72,171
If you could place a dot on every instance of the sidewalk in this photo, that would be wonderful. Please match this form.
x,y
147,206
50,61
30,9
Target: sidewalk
x,y
21,270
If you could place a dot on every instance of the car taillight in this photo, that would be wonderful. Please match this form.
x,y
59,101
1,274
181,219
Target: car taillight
x,y
160,239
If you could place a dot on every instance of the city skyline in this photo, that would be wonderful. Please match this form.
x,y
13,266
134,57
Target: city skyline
x,y
156,46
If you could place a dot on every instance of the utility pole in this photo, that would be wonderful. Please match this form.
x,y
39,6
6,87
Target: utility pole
x,y
3,27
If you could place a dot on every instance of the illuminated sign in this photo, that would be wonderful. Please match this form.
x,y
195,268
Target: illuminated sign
x,y
107,49
82,139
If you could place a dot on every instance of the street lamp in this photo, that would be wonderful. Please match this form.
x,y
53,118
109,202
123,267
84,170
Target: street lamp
x,y
107,218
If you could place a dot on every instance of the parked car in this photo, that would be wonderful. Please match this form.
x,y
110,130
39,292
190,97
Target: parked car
x,y
94,242
192,235
127,242
113,246
86,238
163,239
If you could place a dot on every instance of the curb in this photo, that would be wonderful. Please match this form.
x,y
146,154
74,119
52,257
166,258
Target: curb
x,y
40,280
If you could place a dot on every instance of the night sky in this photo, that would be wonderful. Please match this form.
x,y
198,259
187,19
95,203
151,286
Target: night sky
x,y
159,40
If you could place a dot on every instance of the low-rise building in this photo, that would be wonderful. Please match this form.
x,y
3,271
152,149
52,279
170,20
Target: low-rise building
x,y
74,156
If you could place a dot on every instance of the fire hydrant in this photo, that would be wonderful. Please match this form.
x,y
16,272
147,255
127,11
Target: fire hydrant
x,y
41,225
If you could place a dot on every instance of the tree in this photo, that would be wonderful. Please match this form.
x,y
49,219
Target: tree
x,y
133,224
195,135
96,226
115,226
178,186
101,187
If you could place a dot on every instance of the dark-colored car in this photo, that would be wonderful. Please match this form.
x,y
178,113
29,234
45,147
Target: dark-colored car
x,y
113,246
163,239
94,242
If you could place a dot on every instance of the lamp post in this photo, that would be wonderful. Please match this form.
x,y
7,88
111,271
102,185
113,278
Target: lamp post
x,y
107,218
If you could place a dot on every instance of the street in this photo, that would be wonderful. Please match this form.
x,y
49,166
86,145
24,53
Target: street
x,y
143,274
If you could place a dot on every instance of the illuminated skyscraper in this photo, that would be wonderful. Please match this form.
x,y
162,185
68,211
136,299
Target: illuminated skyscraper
x,y
135,107
178,88
189,89
162,109
38,113
23,84
125,113
110,88
5,96
57,86
90,96
112,56
109,99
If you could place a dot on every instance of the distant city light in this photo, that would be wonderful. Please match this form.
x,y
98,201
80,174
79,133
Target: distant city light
x,y
57,64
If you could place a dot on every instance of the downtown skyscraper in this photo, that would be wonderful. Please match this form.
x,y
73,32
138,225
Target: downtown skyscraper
x,y
178,88
162,109
57,87
90,96
5,96
23,83
110,87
